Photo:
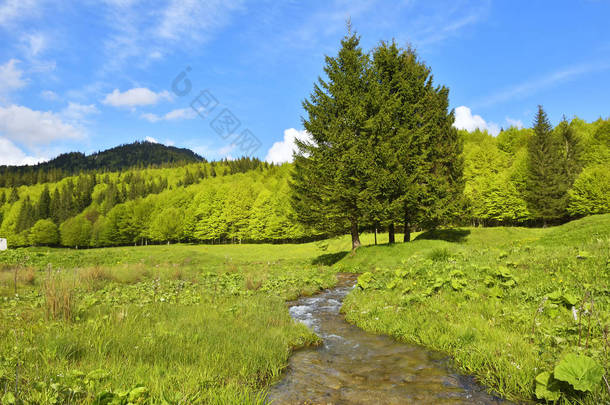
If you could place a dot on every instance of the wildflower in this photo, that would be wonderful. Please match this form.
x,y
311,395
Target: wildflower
x,y
575,313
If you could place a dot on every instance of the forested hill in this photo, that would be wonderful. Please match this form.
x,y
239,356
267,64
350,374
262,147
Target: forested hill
x,y
133,155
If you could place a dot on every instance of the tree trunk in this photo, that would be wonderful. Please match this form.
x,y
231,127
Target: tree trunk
x,y
355,236
407,228
391,236
375,235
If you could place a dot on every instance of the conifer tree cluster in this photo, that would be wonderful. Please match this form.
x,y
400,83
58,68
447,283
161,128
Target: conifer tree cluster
x,y
383,149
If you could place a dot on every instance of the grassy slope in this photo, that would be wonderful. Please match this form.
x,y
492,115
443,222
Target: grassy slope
x,y
449,296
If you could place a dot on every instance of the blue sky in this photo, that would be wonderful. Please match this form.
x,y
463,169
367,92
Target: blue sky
x,y
89,75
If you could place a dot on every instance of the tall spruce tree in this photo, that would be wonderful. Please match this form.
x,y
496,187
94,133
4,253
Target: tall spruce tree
x,y
330,176
417,166
545,189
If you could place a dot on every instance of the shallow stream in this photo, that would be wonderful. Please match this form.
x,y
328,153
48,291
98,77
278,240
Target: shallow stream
x,y
355,367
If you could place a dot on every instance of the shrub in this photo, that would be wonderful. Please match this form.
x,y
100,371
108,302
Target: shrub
x,y
591,192
44,232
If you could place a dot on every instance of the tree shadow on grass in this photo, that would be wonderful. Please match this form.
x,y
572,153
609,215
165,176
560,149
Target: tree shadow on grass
x,y
328,259
449,235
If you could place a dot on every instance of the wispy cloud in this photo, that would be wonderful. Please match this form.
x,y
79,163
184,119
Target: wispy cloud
x,y
12,11
144,34
49,95
34,43
445,27
174,115
195,20
77,113
534,86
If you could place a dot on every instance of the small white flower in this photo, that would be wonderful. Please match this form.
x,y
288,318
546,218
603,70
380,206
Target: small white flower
x,y
575,313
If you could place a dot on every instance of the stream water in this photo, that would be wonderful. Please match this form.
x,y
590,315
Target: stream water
x,y
355,367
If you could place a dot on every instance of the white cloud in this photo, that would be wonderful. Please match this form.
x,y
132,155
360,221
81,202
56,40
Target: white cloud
x,y
31,127
49,95
211,151
10,77
78,112
155,55
465,120
135,97
282,151
179,114
154,140
514,123
10,154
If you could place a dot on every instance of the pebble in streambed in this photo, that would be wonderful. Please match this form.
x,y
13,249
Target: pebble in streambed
x,y
355,367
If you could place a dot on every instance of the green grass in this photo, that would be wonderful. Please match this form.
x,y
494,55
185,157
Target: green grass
x,y
209,324
187,324
456,296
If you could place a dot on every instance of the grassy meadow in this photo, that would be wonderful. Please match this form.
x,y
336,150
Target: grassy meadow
x,y
154,324
172,324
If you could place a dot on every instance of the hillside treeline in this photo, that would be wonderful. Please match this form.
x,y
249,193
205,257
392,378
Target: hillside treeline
x,y
205,202
537,176
249,201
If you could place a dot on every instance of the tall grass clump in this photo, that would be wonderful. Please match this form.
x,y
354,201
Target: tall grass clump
x,y
439,255
58,291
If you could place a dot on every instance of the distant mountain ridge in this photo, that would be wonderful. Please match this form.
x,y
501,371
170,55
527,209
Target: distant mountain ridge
x,y
126,156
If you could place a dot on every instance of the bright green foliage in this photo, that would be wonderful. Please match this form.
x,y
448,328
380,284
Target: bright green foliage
x,y
547,388
167,226
44,232
590,193
493,174
364,280
76,232
571,150
598,150
581,372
